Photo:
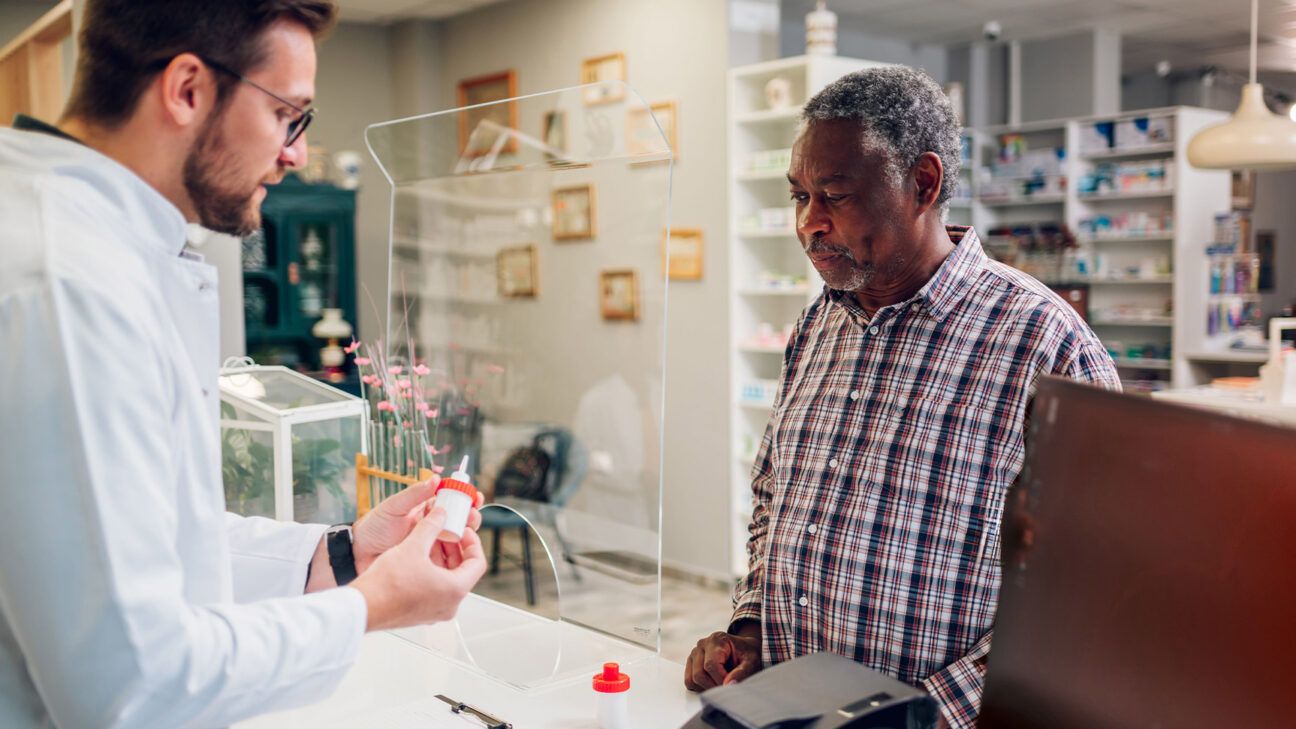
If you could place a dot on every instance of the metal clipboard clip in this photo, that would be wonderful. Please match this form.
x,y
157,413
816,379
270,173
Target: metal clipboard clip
x,y
488,721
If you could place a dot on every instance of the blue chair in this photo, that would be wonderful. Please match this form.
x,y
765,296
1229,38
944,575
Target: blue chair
x,y
567,465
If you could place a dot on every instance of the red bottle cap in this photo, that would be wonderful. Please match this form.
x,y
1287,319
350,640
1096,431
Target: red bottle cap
x,y
611,681
460,486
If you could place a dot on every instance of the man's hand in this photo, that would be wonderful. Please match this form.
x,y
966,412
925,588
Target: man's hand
x,y
393,519
421,580
724,658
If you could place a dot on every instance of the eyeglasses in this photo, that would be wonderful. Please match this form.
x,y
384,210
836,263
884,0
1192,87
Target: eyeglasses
x,y
296,127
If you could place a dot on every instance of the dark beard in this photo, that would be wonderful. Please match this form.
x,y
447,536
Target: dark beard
x,y
208,179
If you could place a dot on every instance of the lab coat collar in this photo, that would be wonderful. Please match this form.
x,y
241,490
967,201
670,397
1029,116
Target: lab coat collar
x,y
150,211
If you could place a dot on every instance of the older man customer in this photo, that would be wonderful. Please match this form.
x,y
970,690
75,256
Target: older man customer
x,y
901,410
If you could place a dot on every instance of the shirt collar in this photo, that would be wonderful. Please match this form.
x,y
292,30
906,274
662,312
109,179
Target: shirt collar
x,y
26,123
947,286
143,204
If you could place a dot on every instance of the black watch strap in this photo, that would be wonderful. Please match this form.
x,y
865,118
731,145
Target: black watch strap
x,y
341,558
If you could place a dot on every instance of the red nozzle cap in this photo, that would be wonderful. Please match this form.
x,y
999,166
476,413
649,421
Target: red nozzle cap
x,y
460,486
611,681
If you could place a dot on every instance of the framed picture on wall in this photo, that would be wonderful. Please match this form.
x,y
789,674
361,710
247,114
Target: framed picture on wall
x,y
517,272
619,295
641,133
480,128
611,67
554,134
1243,189
682,254
573,213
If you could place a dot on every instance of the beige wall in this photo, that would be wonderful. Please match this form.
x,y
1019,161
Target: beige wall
x,y
353,90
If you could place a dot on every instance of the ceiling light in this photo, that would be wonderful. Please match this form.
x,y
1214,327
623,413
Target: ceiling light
x,y
1254,137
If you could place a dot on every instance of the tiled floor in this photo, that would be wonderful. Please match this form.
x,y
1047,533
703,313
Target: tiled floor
x,y
689,610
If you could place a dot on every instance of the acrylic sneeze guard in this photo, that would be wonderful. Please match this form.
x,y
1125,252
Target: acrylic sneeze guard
x,y
528,275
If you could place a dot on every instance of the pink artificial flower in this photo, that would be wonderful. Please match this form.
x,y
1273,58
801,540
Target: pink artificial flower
x,y
438,469
387,406
409,463
433,412
407,394
363,361
407,424
421,406
395,370
421,370
396,440
404,384
352,347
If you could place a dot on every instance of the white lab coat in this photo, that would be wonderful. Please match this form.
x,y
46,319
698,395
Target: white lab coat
x,y
128,596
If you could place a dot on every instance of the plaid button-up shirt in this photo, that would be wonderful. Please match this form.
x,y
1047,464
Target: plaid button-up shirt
x,y
880,480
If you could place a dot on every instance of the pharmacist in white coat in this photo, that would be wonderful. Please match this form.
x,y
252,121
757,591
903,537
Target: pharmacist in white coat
x,y
128,596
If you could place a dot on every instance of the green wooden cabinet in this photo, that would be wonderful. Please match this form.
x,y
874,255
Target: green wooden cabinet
x,y
301,262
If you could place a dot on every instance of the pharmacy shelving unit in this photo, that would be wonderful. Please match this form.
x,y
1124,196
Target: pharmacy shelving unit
x,y
771,280
1145,286
1159,274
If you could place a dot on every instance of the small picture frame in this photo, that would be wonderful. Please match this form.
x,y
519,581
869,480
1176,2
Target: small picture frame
x,y
554,135
610,67
517,272
619,295
1243,189
476,140
682,254
641,133
573,213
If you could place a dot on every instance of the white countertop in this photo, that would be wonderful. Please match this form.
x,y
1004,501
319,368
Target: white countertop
x,y
395,681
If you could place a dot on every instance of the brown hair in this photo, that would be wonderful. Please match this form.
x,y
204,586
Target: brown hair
x,y
125,43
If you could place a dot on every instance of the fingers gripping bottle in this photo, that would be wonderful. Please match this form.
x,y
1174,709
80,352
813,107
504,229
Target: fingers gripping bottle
x,y
613,688
457,496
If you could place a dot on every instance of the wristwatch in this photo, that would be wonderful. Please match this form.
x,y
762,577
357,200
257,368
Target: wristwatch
x,y
341,558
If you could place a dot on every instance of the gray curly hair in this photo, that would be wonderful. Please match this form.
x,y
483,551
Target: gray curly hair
x,y
901,111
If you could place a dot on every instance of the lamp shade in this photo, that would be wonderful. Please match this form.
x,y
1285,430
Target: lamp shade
x,y
1253,138
331,326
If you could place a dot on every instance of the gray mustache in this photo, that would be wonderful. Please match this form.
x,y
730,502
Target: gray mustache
x,y
819,247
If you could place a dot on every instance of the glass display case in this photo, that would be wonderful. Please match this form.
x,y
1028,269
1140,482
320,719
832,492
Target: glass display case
x,y
529,265
288,445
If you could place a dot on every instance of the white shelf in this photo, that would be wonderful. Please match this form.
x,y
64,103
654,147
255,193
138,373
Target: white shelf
x,y
1142,363
1229,357
769,115
1158,281
1149,150
1159,321
1129,239
768,234
1012,202
1127,195
801,291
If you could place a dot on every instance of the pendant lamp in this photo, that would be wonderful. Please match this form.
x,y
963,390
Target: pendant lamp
x,y
1253,138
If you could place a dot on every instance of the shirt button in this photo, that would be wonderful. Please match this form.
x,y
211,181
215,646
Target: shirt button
x,y
803,601
204,392
854,394
914,306
832,463
812,528
873,330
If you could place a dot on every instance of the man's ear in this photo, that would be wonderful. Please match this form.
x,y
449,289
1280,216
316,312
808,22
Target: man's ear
x,y
928,174
186,90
